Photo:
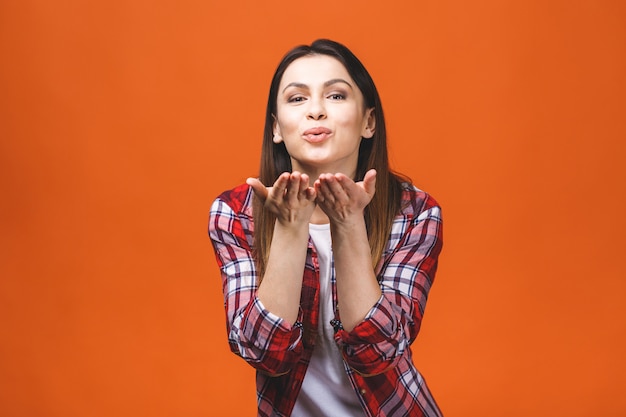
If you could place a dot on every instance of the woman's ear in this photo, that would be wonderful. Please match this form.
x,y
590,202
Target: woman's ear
x,y
370,124
276,130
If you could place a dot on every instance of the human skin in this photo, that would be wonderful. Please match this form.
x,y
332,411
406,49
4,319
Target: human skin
x,y
322,120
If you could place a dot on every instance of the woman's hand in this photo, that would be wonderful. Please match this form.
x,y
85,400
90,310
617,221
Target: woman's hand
x,y
291,198
341,198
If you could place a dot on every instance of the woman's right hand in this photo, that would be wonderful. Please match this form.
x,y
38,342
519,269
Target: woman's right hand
x,y
291,198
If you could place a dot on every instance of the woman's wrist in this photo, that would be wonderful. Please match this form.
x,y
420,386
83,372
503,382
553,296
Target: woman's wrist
x,y
348,225
292,230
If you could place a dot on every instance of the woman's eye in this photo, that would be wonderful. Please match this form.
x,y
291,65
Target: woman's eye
x,y
295,99
337,96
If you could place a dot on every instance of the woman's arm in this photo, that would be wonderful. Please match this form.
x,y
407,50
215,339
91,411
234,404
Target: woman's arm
x,y
292,201
378,341
259,336
344,201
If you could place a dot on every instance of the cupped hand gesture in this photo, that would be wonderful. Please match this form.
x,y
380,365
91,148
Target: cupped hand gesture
x,y
341,198
291,198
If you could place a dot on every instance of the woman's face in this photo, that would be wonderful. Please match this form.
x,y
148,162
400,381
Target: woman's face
x,y
320,116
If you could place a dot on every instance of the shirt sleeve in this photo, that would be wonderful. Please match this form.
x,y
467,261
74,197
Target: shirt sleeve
x,y
263,339
379,341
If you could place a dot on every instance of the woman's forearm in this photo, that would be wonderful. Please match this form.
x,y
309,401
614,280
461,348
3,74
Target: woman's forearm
x,y
281,285
292,201
357,287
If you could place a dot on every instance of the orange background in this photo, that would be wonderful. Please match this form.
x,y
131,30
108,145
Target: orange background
x,y
120,121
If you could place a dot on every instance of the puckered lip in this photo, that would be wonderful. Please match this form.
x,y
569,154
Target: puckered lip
x,y
317,131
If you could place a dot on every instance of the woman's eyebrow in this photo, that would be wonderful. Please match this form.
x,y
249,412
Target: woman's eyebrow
x,y
294,84
326,84
335,81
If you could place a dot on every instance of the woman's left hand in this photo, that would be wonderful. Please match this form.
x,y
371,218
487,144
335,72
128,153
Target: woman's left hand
x,y
343,199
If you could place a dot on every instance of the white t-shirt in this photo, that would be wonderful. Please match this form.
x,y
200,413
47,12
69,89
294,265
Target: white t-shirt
x,y
326,389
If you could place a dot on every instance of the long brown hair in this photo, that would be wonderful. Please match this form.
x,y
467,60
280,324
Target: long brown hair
x,y
275,159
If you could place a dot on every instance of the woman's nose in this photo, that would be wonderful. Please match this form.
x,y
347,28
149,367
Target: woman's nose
x,y
316,110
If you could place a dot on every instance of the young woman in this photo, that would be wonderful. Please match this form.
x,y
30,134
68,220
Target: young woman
x,y
327,258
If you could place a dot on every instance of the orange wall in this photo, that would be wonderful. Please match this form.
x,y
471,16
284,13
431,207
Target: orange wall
x,y
120,121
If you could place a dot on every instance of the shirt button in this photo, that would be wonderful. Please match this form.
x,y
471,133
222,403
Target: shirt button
x,y
363,392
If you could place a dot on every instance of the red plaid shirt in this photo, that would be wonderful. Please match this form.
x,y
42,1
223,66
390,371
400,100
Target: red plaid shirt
x,y
377,352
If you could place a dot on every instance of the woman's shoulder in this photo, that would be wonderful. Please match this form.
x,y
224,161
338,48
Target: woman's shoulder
x,y
239,199
416,201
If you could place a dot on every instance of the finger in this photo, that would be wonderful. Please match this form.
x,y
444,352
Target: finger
x,y
369,182
305,190
346,184
319,195
293,186
325,187
258,188
278,190
337,189
310,194
304,183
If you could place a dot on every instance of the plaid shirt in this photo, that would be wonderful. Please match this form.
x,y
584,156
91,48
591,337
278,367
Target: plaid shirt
x,y
377,353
